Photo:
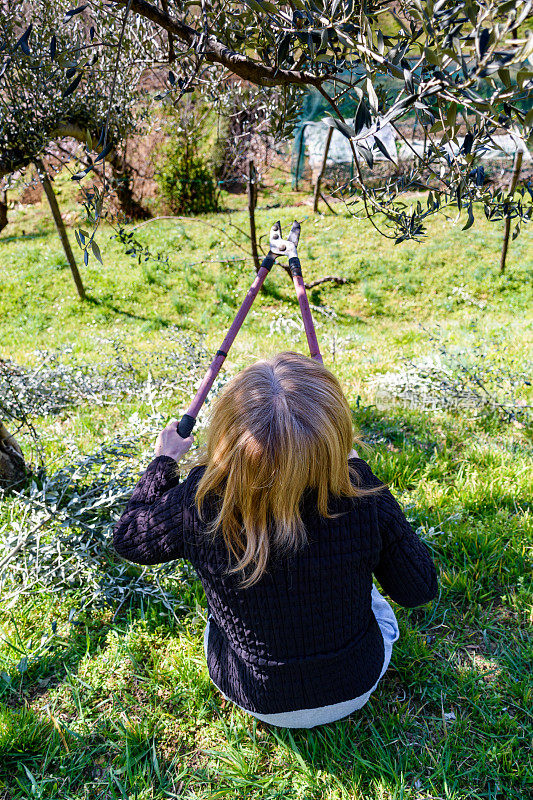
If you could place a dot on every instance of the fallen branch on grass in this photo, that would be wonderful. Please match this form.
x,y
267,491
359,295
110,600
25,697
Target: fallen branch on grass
x,y
333,278
328,205
23,542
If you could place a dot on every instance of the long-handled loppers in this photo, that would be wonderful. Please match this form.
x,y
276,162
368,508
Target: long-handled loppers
x,y
289,247
278,247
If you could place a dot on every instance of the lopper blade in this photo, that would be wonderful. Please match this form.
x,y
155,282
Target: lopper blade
x,y
294,235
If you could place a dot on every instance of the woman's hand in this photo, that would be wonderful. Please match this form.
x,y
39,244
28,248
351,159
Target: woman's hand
x,y
169,442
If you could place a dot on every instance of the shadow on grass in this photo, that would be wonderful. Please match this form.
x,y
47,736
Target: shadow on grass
x,y
383,744
20,689
156,321
432,706
115,755
24,237
269,289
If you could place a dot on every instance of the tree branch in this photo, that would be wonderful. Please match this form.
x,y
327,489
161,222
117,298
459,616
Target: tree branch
x,y
333,278
216,52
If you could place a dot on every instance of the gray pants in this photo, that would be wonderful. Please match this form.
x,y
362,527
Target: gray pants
x,y
310,717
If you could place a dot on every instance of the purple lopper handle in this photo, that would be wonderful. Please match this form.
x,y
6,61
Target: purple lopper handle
x,y
186,424
307,319
277,247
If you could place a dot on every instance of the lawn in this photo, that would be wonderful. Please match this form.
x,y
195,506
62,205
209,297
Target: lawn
x,y
104,691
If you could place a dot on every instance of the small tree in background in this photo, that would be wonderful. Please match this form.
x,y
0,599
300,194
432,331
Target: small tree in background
x,y
185,179
184,171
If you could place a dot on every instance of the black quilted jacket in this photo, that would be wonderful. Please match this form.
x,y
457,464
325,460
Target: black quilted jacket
x,y
303,636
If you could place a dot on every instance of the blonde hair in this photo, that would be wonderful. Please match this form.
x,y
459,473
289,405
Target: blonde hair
x,y
279,427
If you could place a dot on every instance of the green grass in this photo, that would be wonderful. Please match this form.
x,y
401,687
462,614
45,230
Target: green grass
x,y
117,702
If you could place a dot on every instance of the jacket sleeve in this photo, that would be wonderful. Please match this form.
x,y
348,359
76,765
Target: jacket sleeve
x,y
150,531
405,569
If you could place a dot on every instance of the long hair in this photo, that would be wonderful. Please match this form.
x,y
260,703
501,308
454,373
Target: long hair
x,y
281,426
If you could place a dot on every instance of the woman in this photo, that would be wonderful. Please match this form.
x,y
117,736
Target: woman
x,y
285,527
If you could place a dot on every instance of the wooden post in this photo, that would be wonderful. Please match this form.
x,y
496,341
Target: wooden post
x,y
517,166
322,169
252,202
60,225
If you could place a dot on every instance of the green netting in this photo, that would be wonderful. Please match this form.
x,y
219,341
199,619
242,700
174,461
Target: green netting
x,y
315,107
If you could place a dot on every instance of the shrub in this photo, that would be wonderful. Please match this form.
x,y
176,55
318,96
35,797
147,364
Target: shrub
x,y
185,179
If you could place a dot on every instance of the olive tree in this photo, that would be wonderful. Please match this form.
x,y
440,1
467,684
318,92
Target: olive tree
x,y
46,98
463,70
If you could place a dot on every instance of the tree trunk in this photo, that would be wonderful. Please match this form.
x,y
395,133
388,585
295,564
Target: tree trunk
x,y
13,469
122,181
252,202
322,169
60,225
3,209
517,166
